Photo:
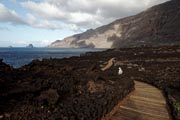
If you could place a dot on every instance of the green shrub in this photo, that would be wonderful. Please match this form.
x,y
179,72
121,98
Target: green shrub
x,y
177,105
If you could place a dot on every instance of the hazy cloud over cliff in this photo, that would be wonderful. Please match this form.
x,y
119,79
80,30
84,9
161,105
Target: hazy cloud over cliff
x,y
87,13
73,14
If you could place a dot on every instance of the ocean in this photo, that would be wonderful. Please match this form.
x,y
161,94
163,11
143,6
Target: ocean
x,y
18,57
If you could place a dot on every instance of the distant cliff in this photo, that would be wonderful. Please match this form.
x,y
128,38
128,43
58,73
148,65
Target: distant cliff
x,y
158,25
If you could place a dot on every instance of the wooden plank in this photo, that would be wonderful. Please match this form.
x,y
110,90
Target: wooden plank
x,y
147,107
145,103
149,95
148,99
143,113
130,115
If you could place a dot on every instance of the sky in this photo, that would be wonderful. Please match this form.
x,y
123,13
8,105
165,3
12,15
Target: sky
x,y
40,22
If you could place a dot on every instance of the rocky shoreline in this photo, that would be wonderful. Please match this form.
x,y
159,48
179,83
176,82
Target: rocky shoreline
x,y
60,89
77,88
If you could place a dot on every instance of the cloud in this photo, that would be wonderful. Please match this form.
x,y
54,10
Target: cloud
x,y
73,27
13,1
47,24
7,15
87,13
4,28
73,14
41,23
44,9
45,42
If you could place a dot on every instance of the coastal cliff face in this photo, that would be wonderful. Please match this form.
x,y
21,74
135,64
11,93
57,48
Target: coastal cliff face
x,y
159,25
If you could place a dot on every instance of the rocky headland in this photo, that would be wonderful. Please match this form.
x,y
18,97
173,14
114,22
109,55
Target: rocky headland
x,y
158,25
30,46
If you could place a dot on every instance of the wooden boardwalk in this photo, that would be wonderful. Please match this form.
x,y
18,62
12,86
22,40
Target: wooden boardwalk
x,y
145,103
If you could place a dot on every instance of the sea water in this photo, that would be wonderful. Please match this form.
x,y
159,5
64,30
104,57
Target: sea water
x,y
18,57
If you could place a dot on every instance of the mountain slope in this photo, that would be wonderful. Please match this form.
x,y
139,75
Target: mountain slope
x,y
158,25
